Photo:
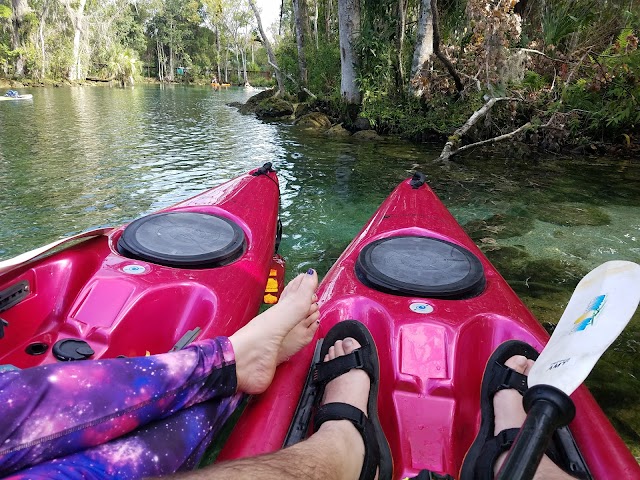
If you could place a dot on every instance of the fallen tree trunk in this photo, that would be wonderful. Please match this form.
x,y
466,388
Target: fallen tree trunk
x,y
452,147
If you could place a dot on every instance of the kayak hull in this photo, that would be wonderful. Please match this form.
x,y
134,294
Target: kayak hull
x,y
432,357
26,96
131,307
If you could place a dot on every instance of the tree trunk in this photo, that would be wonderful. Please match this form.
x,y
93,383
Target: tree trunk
x,y
161,60
315,23
77,20
19,9
226,65
400,28
424,48
298,11
218,56
267,45
436,48
245,77
239,69
349,25
43,64
327,18
172,67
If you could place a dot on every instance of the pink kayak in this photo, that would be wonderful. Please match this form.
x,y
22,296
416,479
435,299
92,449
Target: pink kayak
x,y
195,270
437,310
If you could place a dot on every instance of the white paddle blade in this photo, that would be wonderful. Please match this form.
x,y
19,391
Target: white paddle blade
x,y
601,306
27,257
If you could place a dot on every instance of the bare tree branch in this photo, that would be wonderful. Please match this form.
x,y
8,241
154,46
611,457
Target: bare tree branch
x,y
304,89
499,138
451,147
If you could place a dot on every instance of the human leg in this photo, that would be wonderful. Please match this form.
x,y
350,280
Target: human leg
x,y
163,446
335,452
60,409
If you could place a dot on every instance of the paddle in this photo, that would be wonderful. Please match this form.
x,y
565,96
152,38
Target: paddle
x,y
27,257
601,306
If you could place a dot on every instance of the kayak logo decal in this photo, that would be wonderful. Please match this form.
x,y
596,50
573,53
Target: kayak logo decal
x,y
558,364
589,316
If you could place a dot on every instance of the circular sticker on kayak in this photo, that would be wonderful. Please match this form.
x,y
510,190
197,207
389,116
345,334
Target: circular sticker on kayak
x,y
134,269
421,307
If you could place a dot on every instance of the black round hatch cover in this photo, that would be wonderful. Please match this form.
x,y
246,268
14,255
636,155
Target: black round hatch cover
x,y
183,239
420,266
72,349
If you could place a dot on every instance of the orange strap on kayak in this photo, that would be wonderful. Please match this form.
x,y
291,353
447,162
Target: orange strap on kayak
x,y
275,282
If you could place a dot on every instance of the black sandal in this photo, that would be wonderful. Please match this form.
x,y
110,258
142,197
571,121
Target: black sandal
x,y
479,461
377,452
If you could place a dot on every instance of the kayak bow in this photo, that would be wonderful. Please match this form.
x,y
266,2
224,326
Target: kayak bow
x,y
437,310
197,269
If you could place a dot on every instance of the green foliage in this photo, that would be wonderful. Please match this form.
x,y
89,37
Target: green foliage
x,y
412,119
324,68
5,12
533,81
610,96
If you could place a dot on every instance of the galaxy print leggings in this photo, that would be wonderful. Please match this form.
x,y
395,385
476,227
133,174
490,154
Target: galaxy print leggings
x,y
121,418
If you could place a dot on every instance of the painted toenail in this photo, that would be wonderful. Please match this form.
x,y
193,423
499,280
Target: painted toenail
x,y
310,271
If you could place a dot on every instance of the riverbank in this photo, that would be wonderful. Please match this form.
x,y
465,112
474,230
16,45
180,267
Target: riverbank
x,y
439,122
433,123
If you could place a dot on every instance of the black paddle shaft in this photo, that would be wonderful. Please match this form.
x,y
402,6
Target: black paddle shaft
x,y
548,408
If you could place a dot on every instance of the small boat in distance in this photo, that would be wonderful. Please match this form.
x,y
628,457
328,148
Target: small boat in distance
x,y
14,95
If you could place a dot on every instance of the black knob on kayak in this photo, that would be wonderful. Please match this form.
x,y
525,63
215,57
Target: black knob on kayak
x,y
418,180
72,349
263,170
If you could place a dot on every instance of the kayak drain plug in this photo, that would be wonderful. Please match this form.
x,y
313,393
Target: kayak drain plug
x,y
72,349
37,348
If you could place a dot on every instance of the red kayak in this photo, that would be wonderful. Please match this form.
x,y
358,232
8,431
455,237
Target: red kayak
x,y
195,270
437,310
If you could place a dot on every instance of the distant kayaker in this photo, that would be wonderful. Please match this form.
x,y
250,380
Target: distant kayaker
x,y
151,416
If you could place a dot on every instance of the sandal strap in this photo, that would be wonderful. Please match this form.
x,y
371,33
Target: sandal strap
x,y
499,444
505,378
491,450
324,372
344,411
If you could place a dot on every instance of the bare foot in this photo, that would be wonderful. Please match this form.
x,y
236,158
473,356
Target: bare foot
x,y
352,388
507,405
257,346
303,332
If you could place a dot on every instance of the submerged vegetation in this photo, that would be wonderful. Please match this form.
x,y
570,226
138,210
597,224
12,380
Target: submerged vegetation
x,y
555,74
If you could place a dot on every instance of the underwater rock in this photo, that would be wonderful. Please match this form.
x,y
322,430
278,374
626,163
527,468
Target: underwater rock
x,y
314,120
274,108
368,135
338,131
251,105
513,223
572,215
